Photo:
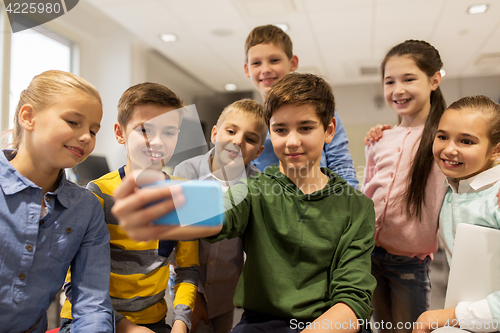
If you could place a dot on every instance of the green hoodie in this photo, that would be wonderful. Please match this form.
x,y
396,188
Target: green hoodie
x,y
305,252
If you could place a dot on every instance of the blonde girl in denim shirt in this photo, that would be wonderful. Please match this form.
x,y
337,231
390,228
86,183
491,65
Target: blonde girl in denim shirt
x,y
47,223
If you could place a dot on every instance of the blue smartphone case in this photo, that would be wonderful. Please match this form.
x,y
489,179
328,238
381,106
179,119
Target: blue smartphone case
x,y
203,205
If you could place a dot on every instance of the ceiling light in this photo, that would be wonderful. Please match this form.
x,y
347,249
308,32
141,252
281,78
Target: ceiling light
x,y
477,9
443,73
282,26
168,38
231,87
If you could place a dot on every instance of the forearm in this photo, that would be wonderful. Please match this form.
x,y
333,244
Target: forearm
x,y
431,320
339,318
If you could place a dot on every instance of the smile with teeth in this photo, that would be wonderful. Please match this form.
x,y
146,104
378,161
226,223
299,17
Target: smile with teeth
x,y
451,162
154,154
76,150
268,79
402,101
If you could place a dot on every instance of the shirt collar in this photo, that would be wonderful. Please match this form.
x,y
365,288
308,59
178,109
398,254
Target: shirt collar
x,y
476,183
12,182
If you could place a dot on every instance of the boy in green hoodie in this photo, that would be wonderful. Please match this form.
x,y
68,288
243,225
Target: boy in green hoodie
x,y
307,234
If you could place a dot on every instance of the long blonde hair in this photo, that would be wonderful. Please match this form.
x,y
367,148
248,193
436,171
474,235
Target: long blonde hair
x,y
44,90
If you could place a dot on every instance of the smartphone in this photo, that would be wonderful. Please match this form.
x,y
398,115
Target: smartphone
x,y
203,205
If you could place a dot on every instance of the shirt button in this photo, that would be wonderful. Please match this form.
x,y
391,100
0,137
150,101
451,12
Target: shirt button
x,y
29,247
47,199
211,263
41,222
69,230
392,175
384,200
399,150
22,276
408,129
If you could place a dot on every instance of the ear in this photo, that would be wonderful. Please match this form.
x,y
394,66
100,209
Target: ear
x,y
247,71
26,117
330,131
119,134
294,62
213,136
436,80
259,152
496,153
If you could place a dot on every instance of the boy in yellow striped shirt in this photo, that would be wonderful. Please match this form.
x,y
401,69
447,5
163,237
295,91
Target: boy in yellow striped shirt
x,y
139,270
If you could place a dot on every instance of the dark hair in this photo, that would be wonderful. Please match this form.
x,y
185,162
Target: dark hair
x,y
300,89
142,94
428,60
490,110
265,34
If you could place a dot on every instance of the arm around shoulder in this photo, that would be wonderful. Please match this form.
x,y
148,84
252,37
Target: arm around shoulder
x,y
338,157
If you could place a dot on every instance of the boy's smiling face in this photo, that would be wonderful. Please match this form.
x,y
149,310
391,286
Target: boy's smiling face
x,y
239,135
298,136
150,136
267,64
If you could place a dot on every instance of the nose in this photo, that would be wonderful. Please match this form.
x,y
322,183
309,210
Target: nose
x,y
238,139
266,67
155,140
85,137
399,88
451,148
293,139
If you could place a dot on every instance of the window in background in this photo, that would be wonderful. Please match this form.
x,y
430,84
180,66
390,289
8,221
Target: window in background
x,y
34,51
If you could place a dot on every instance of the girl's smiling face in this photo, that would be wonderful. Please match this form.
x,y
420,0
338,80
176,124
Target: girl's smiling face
x,y
64,133
407,89
462,148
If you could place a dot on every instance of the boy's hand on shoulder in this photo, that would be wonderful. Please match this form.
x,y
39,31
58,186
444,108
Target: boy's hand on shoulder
x,y
375,133
135,216
179,327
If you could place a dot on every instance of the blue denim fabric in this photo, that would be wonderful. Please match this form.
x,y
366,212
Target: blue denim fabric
x,y
336,155
159,327
403,289
37,252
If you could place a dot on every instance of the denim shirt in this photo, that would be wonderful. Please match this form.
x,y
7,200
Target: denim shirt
x,y
36,252
335,155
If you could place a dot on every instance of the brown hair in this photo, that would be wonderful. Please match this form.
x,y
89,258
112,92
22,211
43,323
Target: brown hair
x,y
428,60
142,94
250,108
300,89
45,89
266,34
490,110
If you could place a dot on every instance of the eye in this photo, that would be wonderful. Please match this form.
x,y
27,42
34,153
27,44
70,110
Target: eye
x,y
255,63
279,130
141,129
230,131
410,79
467,142
275,60
169,133
74,123
441,137
388,83
306,128
250,140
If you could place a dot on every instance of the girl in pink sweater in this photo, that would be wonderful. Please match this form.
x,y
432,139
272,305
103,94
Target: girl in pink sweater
x,y
405,184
